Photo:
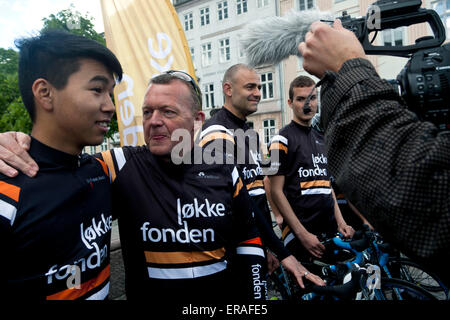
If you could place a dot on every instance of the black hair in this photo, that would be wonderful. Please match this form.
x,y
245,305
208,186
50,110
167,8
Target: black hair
x,y
54,55
300,82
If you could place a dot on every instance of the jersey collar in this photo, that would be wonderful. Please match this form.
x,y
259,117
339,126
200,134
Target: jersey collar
x,y
47,157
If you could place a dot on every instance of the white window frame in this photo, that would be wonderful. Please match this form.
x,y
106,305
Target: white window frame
x,y
267,86
188,21
104,146
241,6
222,10
204,16
444,13
206,54
192,51
392,33
262,3
224,50
306,5
241,52
269,127
208,94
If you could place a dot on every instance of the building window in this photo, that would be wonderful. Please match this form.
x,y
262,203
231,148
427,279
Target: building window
x,y
209,95
192,56
262,3
241,52
250,124
241,6
188,21
204,16
267,85
104,146
306,4
224,47
393,37
222,10
443,9
269,130
206,54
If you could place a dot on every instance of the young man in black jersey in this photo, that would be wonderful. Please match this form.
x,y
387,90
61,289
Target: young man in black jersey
x,y
301,186
55,228
183,226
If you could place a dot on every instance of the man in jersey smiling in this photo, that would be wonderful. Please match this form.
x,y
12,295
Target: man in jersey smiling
x,y
66,83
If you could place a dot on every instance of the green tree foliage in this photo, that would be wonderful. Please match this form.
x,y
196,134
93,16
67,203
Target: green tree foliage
x,y
13,115
9,60
74,22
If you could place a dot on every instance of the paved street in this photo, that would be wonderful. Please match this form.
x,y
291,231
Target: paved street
x,y
117,289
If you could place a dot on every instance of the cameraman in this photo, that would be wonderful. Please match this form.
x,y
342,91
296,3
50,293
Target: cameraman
x,y
394,168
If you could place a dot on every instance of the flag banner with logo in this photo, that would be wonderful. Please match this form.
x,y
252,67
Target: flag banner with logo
x,y
147,38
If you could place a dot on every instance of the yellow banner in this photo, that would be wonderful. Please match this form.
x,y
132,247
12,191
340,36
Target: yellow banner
x,y
147,38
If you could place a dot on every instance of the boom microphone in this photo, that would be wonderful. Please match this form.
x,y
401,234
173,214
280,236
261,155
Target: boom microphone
x,y
273,39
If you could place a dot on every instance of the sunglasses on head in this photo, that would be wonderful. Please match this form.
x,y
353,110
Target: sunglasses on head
x,y
186,77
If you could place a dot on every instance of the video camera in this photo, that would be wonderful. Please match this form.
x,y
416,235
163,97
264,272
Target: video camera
x,y
424,82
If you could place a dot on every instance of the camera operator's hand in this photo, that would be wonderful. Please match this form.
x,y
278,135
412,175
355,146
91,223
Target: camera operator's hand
x,y
327,48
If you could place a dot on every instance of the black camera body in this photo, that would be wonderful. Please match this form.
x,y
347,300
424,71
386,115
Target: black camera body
x,y
424,81
425,85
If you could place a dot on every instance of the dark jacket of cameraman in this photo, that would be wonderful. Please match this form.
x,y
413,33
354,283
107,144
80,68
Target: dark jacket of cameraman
x,y
394,168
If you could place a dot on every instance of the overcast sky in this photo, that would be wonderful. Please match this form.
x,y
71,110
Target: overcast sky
x,y
20,18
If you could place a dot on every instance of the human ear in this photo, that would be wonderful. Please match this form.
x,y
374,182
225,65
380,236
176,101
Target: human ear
x,y
43,93
228,89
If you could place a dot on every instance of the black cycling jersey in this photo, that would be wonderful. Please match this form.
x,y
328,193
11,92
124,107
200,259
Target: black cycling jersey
x,y
55,229
303,162
225,131
187,231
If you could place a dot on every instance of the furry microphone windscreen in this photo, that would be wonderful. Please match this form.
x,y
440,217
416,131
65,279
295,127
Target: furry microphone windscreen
x,y
273,39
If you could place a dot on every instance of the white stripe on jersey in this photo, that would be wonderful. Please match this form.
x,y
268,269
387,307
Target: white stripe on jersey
x,y
100,295
235,175
215,127
250,251
316,191
186,273
279,138
8,211
288,239
257,192
120,158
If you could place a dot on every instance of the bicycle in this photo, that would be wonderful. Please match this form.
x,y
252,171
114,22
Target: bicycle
x,y
391,261
366,249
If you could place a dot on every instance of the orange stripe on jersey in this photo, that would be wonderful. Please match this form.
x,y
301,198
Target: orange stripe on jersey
x,y
214,136
285,232
9,190
255,184
256,240
73,293
316,183
279,146
110,163
239,186
183,257
105,168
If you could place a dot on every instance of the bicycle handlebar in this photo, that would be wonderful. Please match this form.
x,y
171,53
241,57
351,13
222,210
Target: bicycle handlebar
x,y
345,291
